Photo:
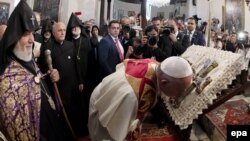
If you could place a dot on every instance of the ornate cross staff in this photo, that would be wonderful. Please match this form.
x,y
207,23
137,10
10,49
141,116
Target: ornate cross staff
x,y
33,19
199,84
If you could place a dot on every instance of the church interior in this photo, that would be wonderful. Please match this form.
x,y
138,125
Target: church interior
x,y
229,103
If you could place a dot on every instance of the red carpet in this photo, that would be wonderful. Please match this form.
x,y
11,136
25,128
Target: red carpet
x,y
150,132
231,113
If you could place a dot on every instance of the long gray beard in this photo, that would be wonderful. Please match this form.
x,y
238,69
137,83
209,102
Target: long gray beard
x,y
22,55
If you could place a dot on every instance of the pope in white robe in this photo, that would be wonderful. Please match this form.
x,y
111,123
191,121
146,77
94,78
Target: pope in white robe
x,y
120,102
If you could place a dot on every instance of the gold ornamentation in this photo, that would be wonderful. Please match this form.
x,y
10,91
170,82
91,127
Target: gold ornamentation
x,y
207,70
37,78
174,102
229,66
51,103
147,99
198,82
50,100
200,88
20,127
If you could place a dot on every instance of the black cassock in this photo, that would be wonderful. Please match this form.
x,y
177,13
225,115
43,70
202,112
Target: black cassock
x,y
82,47
65,61
52,125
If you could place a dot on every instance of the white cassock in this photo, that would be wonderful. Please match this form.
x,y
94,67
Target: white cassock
x,y
114,111
112,121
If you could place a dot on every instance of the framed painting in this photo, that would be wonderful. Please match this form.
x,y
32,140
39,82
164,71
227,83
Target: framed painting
x,y
131,13
171,15
4,12
120,13
234,15
115,15
48,8
160,15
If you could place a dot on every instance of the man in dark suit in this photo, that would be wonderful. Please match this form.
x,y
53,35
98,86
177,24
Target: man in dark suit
x,y
232,44
110,50
172,43
196,37
180,41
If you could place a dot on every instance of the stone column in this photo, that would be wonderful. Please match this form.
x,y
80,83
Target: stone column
x,y
102,18
108,10
143,13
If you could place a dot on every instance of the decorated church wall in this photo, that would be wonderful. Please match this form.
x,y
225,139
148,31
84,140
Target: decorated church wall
x,y
124,9
90,9
6,7
247,19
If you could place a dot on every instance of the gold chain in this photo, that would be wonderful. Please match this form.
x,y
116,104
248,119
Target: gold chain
x,y
37,80
50,100
78,57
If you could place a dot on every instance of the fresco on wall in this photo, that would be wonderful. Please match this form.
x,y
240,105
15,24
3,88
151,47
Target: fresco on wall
x,y
48,8
4,12
160,15
120,13
234,15
131,13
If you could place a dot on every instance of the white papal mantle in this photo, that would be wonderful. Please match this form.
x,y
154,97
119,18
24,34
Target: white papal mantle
x,y
229,66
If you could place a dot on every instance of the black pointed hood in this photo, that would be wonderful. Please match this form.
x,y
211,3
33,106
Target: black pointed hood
x,y
46,26
73,22
21,20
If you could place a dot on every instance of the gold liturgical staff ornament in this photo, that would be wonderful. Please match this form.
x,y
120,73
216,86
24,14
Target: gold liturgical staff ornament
x,y
37,78
214,71
199,83
51,103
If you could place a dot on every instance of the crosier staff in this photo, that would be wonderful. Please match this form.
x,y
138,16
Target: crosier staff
x,y
49,62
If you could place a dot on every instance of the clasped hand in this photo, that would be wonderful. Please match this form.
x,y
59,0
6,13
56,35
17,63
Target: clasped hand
x,y
54,75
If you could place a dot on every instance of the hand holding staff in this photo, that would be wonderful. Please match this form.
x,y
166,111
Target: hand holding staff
x,y
54,80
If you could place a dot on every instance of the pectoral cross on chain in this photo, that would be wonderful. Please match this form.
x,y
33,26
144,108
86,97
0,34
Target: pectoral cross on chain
x,y
33,20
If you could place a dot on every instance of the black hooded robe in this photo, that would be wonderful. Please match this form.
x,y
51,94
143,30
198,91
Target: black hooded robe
x,y
82,47
64,60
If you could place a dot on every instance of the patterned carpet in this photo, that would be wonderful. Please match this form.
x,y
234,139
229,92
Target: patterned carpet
x,y
150,132
231,113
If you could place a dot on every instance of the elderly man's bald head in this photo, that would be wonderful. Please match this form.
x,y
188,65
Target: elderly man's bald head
x,y
2,30
125,21
59,31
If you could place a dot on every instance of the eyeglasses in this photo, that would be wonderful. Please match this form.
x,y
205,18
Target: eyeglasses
x,y
191,23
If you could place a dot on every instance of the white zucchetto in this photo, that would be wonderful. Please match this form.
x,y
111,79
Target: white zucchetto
x,y
176,67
